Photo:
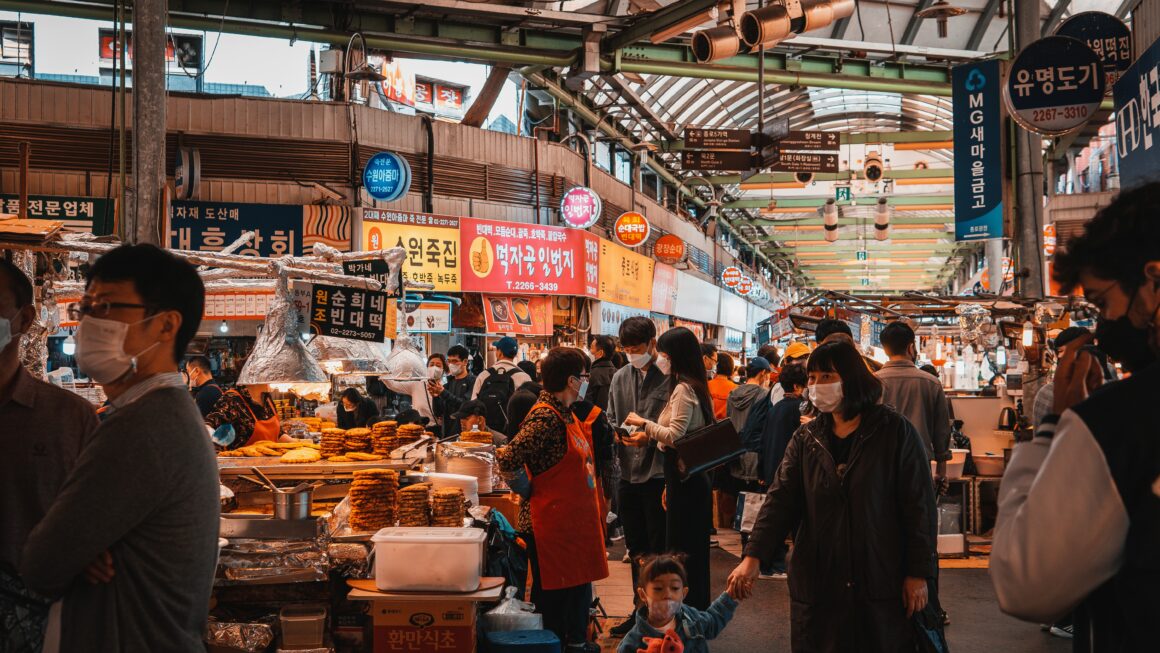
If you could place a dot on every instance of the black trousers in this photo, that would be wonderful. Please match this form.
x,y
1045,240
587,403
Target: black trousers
x,y
690,520
565,611
643,518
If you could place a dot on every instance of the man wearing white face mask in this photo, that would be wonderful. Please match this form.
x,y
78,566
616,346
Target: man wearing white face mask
x,y
640,387
563,521
143,498
45,428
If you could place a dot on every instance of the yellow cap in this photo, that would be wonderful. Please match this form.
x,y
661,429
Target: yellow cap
x,y
797,350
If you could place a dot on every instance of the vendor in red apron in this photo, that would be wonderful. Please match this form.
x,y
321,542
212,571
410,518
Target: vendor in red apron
x,y
562,521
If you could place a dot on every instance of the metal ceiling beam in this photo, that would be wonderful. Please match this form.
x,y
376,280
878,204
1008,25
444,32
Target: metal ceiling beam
x,y
983,24
496,10
810,203
851,247
847,222
648,25
1125,7
640,105
1054,17
911,31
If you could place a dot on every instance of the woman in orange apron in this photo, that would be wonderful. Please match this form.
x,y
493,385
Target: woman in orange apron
x,y
563,521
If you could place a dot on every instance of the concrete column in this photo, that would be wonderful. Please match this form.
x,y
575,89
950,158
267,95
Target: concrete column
x,y
149,38
1029,173
995,264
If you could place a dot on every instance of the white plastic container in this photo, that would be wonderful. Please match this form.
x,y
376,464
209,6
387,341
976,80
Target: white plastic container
x,y
302,626
989,464
952,544
428,559
954,465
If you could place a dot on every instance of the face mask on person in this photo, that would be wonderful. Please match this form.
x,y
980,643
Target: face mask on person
x,y
663,611
639,361
826,397
1125,342
664,364
711,374
101,349
454,368
434,372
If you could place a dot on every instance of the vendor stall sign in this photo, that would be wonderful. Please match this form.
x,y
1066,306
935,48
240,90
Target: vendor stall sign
x,y
349,313
387,176
978,162
1054,85
631,229
697,299
94,215
697,328
237,305
280,229
1107,36
611,316
510,257
1137,95
745,286
431,241
670,249
664,294
731,276
426,316
529,315
580,207
625,277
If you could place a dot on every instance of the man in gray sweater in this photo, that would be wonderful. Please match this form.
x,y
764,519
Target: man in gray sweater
x,y
131,540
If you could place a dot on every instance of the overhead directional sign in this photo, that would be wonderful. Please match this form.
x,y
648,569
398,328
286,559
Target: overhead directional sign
x,y
779,161
719,139
716,160
810,140
1054,85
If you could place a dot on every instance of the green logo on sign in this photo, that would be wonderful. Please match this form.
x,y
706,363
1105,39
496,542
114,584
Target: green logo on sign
x,y
862,255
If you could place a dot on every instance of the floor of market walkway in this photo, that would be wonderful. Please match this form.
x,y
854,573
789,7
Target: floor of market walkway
x,y
977,625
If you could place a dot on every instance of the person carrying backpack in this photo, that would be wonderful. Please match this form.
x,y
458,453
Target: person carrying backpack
x,y
495,385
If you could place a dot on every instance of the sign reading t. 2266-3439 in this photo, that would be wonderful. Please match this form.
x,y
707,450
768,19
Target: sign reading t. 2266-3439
x,y
1054,85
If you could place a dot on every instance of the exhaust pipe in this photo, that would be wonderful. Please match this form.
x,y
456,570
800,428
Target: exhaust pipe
x,y
715,43
770,25
766,27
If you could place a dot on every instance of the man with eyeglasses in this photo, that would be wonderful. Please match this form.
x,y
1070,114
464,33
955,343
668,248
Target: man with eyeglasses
x,y
44,430
139,513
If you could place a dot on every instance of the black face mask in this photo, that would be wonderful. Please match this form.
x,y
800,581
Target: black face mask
x,y
1125,342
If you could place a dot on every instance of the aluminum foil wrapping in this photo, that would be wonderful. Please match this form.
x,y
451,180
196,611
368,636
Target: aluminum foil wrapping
x,y
252,637
279,355
405,362
34,344
272,560
1049,312
973,318
354,355
350,559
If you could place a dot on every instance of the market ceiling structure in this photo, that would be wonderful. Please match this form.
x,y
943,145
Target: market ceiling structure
x,y
880,78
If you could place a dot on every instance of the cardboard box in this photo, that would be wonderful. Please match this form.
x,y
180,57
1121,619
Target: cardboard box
x,y
423,626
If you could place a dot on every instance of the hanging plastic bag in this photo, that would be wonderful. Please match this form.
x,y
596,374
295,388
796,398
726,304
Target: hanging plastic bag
x,y
512,614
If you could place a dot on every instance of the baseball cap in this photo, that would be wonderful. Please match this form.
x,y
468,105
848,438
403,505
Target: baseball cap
x,y
507,345
757,365
473,408
796,350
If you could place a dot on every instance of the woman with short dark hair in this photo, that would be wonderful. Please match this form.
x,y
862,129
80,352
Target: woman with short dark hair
x,y
855,484
355,410
562,521
689,518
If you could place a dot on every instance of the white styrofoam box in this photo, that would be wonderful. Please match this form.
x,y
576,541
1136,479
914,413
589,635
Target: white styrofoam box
x,y
469,484
955,464
428,559
955,543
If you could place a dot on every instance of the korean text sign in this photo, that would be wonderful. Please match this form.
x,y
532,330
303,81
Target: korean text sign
x,y
281,229
1054,85
512,257
626,277
349,313
94,215
431,241
978,151
521,315
1137,96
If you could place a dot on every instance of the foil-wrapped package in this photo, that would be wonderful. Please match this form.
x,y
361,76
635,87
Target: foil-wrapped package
x,y
250,637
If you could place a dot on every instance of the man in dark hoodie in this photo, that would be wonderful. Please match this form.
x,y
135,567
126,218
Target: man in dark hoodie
x,y
744,397
600,376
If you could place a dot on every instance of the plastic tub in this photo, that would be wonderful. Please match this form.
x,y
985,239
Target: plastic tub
x,y
954,465
302,625
989,464
428,559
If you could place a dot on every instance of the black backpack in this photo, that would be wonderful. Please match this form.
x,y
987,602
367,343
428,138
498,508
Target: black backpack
x,y
495,392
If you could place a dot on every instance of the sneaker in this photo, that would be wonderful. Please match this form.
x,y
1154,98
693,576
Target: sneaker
x,y
1066,632
619,537
627,559
623,628
713,543
777,575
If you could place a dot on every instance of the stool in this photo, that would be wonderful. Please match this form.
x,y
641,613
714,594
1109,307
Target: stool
x,y
523,641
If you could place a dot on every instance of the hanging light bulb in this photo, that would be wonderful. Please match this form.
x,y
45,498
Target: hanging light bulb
x,y
830,220
882,220
1001,357
70,345
224,327
1028,334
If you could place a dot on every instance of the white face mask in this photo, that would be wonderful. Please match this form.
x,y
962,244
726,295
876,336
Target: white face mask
x,y
434,372
664,365
583,390
711,374
454,368
826,397
101,349
5,332
639,361
663,611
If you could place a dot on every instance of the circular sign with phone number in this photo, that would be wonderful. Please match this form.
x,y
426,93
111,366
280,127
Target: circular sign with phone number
x,y
1054,85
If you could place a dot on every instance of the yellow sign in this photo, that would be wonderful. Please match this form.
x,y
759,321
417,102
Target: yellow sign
x,y
431,241
626,278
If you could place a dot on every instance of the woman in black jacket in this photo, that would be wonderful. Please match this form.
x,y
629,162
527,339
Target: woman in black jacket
x,y
856,485
355,410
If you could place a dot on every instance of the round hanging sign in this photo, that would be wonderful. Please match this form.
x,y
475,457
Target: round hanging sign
x,y
669,249
1054,85
1107,36
631,229
1049,239
744,286
731,276
387,176
580,207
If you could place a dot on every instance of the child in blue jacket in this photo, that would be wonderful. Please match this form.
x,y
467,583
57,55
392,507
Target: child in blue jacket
x,y
663,588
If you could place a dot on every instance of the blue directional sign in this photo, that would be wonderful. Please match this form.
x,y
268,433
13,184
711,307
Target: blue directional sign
x,y
387,176
1137,96
1054,85
978,134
